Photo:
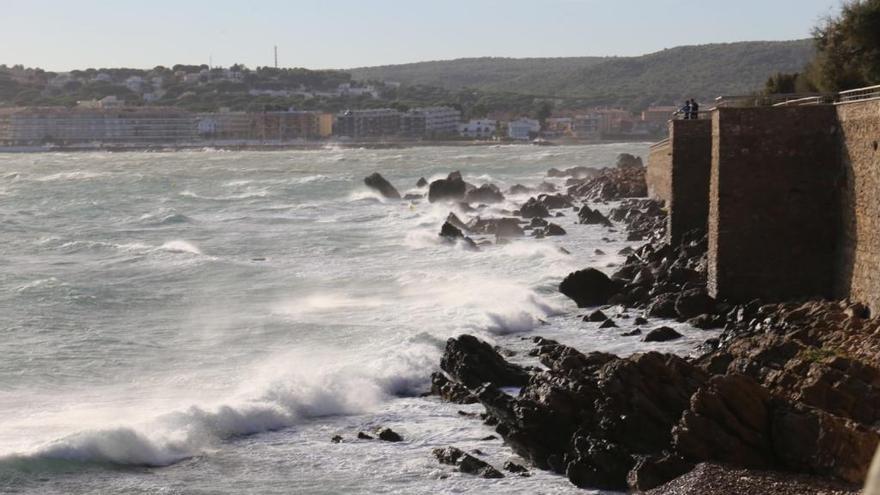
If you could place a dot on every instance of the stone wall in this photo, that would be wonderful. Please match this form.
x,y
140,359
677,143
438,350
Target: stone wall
x,y
691,164
774,202
858,274
659,171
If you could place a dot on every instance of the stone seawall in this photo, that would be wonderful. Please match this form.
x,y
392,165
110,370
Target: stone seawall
x,y
773,212
691,164
659,171
858,271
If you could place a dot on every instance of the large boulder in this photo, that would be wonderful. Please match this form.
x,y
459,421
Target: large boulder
x,y
486,193
377,182
452,188
588,287
625,160
534,208
662,334
694,302
472,362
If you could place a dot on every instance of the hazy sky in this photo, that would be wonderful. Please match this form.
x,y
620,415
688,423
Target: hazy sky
x,y
67,34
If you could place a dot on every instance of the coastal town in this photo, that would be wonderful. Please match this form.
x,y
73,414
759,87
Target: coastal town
x,y
138,114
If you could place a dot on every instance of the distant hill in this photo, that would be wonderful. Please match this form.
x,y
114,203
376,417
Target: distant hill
x,y
670,75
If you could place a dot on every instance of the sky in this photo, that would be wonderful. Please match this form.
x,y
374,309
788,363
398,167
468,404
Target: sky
x,y
61,35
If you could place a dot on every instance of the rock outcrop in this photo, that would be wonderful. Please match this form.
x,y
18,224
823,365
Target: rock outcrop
x,y
379,183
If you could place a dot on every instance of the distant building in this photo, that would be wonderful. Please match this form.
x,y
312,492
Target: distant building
x,y
73,126
586,126
523,129
278,126
367,123
110,102
478,129
430,122
134,84
658,115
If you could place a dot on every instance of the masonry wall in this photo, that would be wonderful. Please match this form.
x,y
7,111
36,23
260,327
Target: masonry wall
x,y
659,171
774,206
691,165
858,273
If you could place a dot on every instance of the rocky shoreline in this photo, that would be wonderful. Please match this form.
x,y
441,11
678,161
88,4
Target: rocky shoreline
x,y
787,395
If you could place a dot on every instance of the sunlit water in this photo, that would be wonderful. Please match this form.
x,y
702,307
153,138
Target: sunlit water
x,y
205,322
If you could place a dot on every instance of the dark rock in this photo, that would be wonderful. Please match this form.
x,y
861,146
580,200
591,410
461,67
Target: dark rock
x,y
534,208
555,201
598,252
486,193
451,232
707,322
589,216
450,391
596,316
663,306
662,334
519,189
554,229
538,222
389,435
336,439
693,302
588,287
632,333
488,438
466,463
513,467
452,188
422,182
413,197
456,222
364,436
473,362
609,323
546,187
377,182
640,321
625,160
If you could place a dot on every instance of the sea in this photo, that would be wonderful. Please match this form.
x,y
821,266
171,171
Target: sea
x,y
204,322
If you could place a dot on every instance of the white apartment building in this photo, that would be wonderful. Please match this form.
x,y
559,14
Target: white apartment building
x,y
478,129
431,121
522,129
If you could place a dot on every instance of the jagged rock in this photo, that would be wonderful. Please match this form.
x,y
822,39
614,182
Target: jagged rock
x,y
501,227
662,334
486,193
489,438
336,439
693,302
546,187
389,435
452,188
538,222
450,391
519,189
598,463
707,321
421,182
364,436
640,321
534,208
377,182
588,287
609,323
589,216
598,252
574,172
555,201
466,463
553,229
663,306
473,362
632,333
451,232
625,160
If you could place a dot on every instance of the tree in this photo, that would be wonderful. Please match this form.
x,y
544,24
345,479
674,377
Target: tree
x,y
848,48
543,112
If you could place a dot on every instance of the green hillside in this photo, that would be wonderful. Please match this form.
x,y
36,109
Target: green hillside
x,y
703,71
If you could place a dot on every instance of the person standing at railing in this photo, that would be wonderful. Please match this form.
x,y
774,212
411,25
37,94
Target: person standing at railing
x,y
685,110
695,109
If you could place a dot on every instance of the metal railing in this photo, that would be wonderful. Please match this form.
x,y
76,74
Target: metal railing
x,y
868,93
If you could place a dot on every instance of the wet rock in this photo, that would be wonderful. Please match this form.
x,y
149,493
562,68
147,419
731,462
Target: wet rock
x,y
364,436
662,334
450,391
519,189
598,252
588,287
625,160
553,229
450,232
336,439
486,193
707,321
501,227
588,216
640,321
538,222
421,182
489,438
596,316
452,188
573,172
473,362
413,197
663,306
389,435
609,323
555,201
377,182
466,463
515,468
456,222
632,333
534,208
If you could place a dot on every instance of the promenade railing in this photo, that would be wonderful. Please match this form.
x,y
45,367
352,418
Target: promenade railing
x,y
868,93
